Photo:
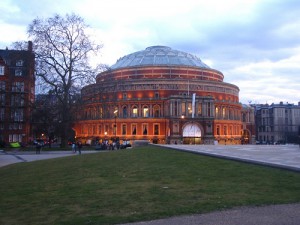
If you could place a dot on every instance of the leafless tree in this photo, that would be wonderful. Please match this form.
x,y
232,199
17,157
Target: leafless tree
x,y
63,49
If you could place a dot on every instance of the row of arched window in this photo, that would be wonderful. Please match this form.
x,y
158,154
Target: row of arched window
x,y
125,111
227,113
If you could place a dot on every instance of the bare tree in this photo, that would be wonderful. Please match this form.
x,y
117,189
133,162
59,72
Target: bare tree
x,y
62,47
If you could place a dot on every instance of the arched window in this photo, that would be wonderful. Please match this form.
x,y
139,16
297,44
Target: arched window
x,y
156,111
134,111
224,113
100,111
217,112
145,111
124,112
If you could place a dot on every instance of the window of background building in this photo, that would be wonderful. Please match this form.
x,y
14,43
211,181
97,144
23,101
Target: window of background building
x,y
156,111
124,95
145,111
199,111
18,87
17,115
156,95
145,129
218,130
156,129
183,108
2,85
190,110
225,130
124,112
18,73
134,112
124,128
19,63
133,129
2,99
1,70
175,108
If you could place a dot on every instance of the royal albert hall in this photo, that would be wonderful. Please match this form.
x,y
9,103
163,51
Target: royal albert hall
x,y
161,95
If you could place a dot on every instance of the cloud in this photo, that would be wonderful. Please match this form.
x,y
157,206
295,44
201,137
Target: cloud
x,y
254,43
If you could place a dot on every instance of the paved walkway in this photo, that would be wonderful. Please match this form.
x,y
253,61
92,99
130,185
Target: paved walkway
x,y
11,157
288,214
282,156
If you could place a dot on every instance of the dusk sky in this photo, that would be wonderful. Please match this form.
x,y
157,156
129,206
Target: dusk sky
x,y
254,43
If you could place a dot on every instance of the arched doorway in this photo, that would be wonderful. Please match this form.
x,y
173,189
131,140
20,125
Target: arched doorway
x,y
246,137
191,134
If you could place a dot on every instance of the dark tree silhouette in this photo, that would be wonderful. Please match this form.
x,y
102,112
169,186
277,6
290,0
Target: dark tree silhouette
x,y
63,48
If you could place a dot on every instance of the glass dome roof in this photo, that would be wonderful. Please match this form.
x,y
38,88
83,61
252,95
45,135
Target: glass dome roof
x,y
158,56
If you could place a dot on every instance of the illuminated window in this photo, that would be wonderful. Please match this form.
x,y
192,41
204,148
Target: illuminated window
x,y
134,112
199,109
183,108
145,111
190,108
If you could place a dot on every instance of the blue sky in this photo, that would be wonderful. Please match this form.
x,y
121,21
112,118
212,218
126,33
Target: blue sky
x,y
254,43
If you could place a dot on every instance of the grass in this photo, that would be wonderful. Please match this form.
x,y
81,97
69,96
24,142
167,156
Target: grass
x,y
133,185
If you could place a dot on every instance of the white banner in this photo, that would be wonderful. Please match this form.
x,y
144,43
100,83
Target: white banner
x,y
193,105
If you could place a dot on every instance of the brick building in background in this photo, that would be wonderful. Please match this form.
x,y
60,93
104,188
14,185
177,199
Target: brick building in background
x,y
17,90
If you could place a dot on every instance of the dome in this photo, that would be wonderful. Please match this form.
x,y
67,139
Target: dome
x,y
158,56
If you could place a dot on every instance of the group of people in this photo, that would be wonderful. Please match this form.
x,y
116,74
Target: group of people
x,y
77,146
108,145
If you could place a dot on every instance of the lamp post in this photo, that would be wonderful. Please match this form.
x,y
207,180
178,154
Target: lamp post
x,y
115,126
182,119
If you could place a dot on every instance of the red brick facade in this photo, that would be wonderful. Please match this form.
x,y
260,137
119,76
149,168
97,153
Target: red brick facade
x,y
16,94
154,102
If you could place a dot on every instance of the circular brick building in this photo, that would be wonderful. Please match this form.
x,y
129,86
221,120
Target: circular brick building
x,y
161,95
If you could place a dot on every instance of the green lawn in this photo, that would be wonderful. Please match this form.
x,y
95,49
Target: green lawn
x,y
132,185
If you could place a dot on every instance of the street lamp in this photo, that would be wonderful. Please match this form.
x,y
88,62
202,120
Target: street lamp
x,y
182,119
115,126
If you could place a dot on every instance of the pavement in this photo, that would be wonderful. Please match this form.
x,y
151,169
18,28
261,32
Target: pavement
x,y
279,156
20,156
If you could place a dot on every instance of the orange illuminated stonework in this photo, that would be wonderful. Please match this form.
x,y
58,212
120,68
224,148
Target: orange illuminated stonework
x,y
147,95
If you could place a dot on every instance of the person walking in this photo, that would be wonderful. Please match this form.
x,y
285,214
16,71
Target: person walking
x,y
73,147
79,147
38,148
